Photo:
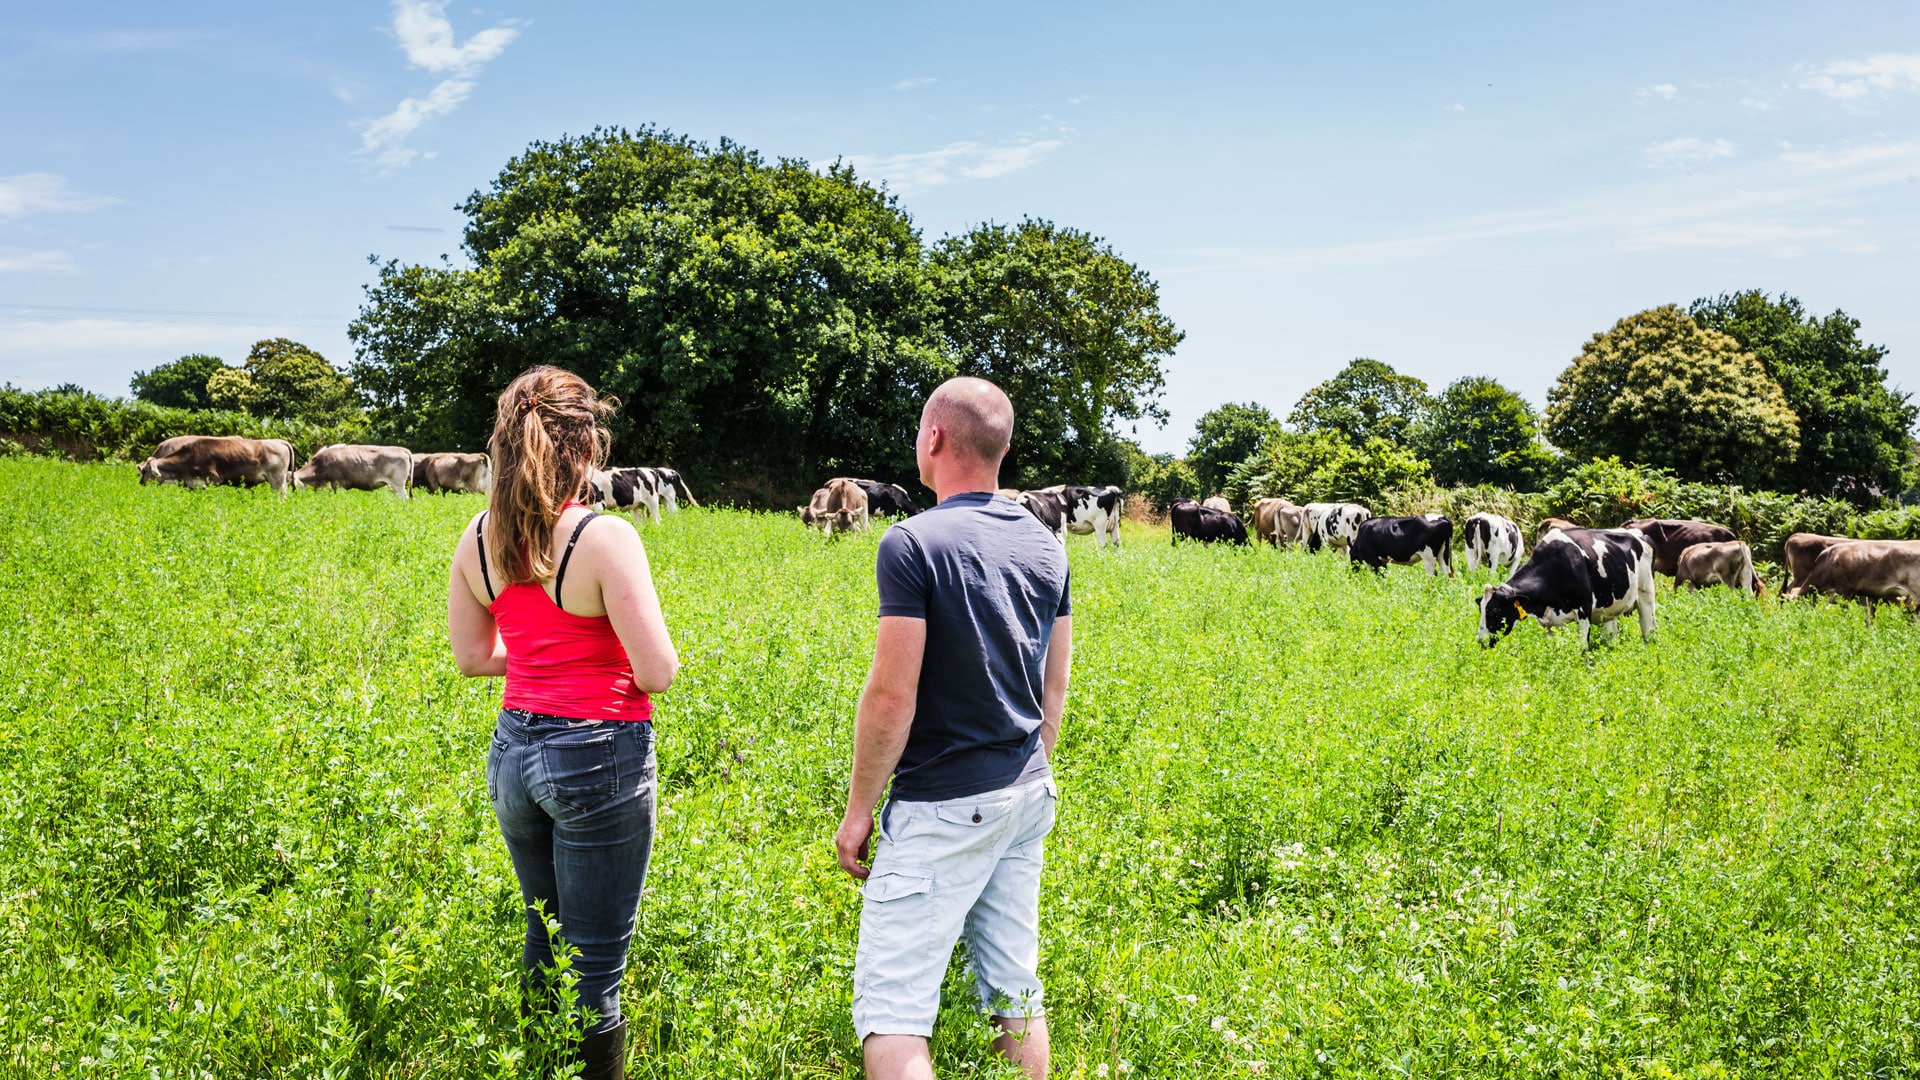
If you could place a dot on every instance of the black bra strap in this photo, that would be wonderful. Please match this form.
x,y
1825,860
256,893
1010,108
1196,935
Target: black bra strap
x,y
561,575
480,537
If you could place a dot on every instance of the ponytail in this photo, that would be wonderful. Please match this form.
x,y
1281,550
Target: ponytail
x,y
548,437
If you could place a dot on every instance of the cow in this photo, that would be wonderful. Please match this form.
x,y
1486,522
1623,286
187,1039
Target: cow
x,y
358,467
1192,521
1494,540
1547,525
889,500
1427,539
1217,502
845,508
1277,521
453,472
627,489
1803,550
1092,510
1671,536
1718,562
816,508
1867,570
197,461
672,488
1049,508
1575,575
1333,524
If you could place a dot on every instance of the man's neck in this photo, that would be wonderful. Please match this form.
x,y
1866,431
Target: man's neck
x,y
946,487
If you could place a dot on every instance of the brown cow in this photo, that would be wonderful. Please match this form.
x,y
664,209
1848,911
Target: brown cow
x,y
1867,570
1670,537
1803,550
1718,562
204,460
1217,502
841,506
358,467
1547,525
453,472
1277,521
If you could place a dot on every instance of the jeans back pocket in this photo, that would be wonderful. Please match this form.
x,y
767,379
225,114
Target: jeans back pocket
x,y
582,766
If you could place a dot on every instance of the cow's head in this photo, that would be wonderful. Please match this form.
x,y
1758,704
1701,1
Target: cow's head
x,y
1500,612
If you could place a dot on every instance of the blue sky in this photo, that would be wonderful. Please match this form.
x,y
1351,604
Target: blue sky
x,y
1454,189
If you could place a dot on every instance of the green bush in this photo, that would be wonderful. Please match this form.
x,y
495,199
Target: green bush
x,y
87,427
1325,467
1166,480
1893,523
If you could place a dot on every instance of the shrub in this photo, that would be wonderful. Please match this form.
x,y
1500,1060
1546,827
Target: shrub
x,y
1325,467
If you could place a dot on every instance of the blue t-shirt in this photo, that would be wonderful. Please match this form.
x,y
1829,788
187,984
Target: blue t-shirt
x,y
989,580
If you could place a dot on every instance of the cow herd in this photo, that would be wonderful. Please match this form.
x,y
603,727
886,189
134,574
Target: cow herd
x,y
847,504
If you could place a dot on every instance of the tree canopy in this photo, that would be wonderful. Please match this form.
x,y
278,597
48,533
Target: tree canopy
x,y
1366,400
1659,389
1225,437
1855,431
181,384
1480,432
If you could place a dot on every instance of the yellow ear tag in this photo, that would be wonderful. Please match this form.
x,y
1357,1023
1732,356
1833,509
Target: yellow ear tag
x,y
1521,610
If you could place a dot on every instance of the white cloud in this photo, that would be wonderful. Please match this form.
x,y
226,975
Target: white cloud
x,y
968,160
1456,107
130,41
1675,153
1853,157
1722,234
1851,80
43,193
1757,104
426,36
914,84
1662,92
1080,99
22,261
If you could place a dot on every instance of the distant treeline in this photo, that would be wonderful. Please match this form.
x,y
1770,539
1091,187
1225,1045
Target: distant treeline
x,y
72,423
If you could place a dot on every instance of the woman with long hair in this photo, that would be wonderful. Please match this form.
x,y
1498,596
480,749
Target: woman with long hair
x,y
564,607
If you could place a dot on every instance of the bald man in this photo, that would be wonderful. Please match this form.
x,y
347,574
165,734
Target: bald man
x,y
960,711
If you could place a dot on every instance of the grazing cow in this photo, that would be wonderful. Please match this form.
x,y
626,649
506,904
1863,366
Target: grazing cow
x,y
1277,521
1217,502
672,489
1583,575
1494,540
1718,562
816,508
453,472
1427,539
1094,510
206,460
358,467
1803,551
1671,536
1333,524
1191,521
1547,525
887,500
627,489
846,508
1049,508
1866,570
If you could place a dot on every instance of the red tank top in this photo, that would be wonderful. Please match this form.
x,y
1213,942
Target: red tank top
x,y
560,663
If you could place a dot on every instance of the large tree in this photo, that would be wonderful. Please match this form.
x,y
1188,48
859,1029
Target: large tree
x,y
1855,431
1366,400
1659,389
1480,432
1225,437
1073,333
181,384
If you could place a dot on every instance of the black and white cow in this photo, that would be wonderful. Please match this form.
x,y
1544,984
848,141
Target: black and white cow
x,y
672,488
1427,540
627,489
1191,521
1049,508
1575,575
1094,510
890,500
1494,540
1332,524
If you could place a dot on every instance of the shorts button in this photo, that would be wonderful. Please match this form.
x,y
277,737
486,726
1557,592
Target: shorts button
x,y
976,819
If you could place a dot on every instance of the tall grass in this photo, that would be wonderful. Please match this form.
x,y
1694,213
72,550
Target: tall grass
x,y
1308,827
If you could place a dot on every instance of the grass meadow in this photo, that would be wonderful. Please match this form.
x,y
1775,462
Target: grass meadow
x,y
1308,827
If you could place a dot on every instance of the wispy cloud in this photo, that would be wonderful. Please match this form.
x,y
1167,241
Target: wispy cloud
x,y
130,41
914,84
1678,153
1853,157
1079,99
1661,92
425,34
957,160
1456,107
21,261
43,193
1852,80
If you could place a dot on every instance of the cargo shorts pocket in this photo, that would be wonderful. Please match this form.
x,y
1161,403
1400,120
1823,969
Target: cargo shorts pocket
x,y
890,885
582,769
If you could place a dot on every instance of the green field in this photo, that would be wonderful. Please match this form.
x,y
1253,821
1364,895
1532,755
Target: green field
x,y
1309,827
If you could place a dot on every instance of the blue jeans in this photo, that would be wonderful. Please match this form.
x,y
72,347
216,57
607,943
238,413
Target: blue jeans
x,y
575,803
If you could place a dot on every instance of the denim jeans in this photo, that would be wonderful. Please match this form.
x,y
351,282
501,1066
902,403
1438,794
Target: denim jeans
x,y
575,803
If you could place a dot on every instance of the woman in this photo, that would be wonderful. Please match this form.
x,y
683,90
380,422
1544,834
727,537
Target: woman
x,y
564,607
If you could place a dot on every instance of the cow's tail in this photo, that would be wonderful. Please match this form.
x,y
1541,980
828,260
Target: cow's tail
x,y
1749,579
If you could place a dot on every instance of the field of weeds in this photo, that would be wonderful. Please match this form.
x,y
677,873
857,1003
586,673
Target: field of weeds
x,y
1309,827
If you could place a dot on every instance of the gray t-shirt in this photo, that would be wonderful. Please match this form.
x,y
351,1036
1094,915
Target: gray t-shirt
x,y
989,580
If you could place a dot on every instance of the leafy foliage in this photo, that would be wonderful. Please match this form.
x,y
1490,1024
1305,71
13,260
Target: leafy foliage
x,y
1366,400
181,384
1480,432
1855,431
1322,466
1167,480
1224,437
1660,390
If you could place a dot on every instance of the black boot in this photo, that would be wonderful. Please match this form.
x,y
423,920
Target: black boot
x,y
603,1053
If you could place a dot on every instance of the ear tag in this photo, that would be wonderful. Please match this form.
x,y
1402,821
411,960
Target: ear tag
x,y
1521,610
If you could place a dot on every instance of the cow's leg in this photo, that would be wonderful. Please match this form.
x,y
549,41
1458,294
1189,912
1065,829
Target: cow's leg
x,y
1586,633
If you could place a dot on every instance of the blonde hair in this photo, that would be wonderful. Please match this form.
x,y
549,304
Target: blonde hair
x,y
548,436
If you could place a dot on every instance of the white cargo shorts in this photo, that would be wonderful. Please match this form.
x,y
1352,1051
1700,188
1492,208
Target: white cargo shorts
x,y
966,867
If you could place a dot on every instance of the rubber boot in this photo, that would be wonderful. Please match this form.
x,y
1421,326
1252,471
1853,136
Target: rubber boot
x,y
603,1053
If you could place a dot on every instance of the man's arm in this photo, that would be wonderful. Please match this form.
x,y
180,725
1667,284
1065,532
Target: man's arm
x,y
880,732
1053,688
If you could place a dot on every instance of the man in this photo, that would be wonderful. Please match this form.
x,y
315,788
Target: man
x,y
961,710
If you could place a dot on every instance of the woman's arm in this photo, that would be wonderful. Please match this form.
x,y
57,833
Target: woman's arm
x,y
626,589
477,649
